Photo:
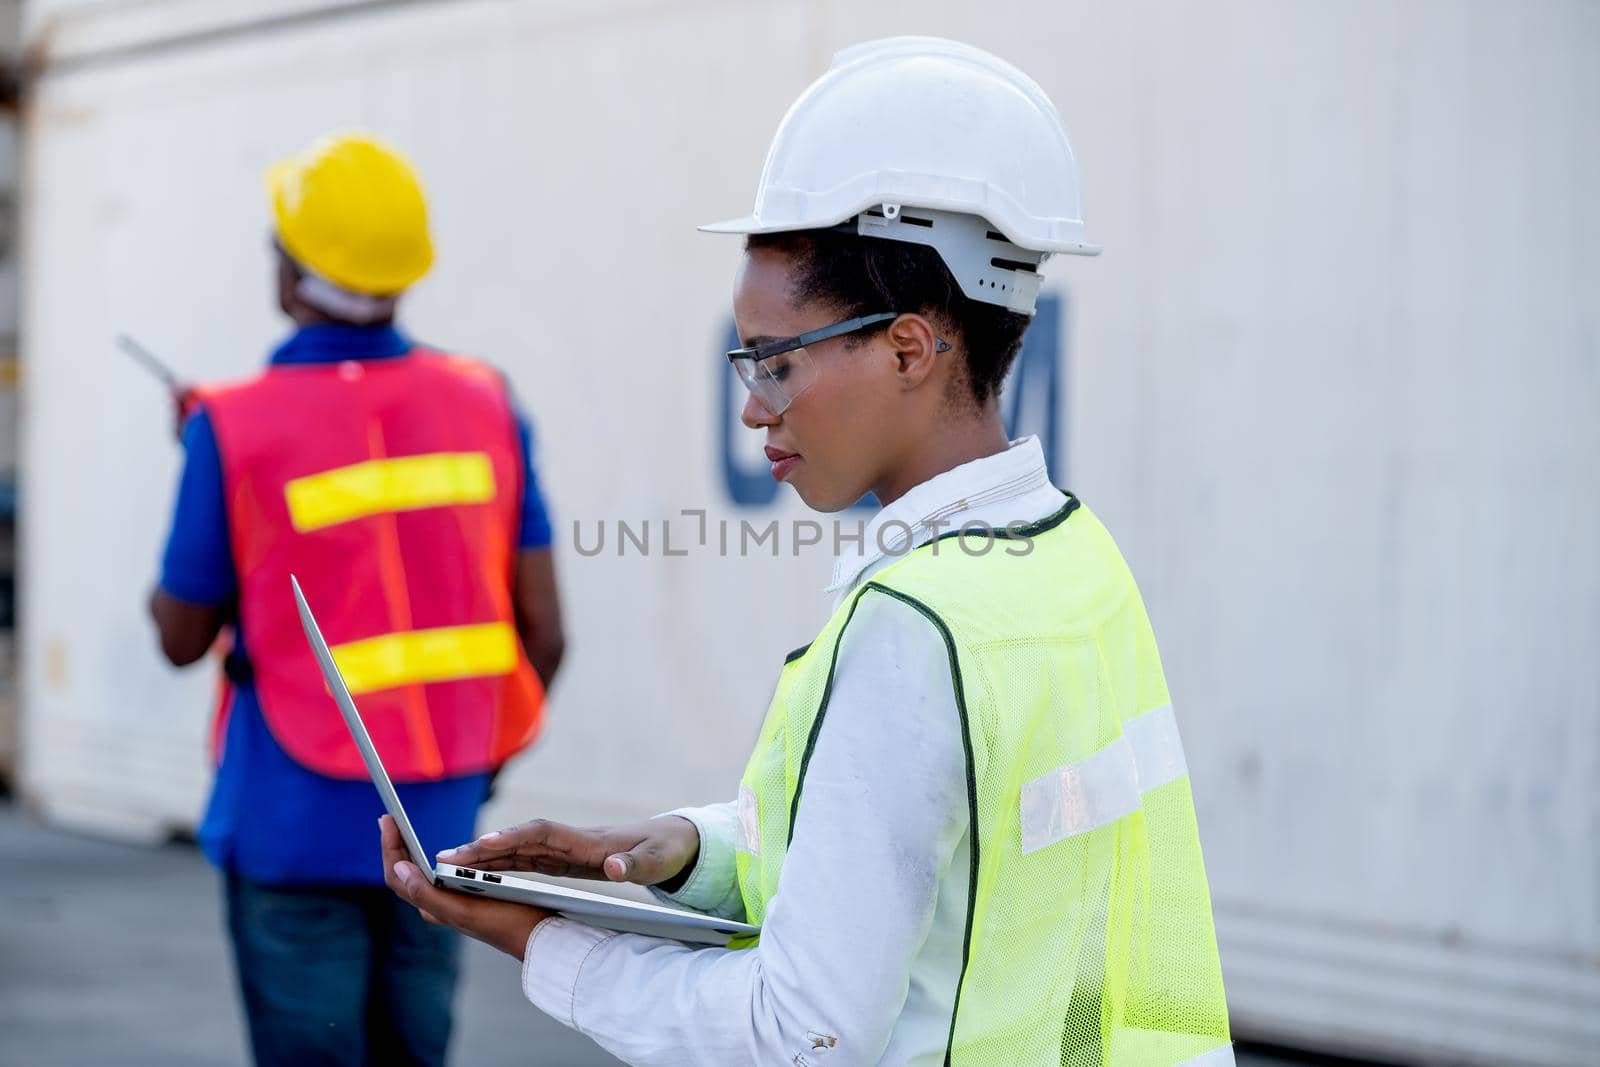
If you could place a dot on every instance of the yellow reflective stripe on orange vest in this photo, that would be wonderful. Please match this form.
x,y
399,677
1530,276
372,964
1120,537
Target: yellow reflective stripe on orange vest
x,y
377,486
445,654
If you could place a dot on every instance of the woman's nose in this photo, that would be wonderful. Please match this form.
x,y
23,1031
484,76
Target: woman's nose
x,y
755,413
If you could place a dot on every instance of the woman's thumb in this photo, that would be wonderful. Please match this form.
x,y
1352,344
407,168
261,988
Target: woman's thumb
x,y
641,863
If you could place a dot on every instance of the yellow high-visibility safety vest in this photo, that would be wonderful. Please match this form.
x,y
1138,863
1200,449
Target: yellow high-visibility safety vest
x,y
1089,937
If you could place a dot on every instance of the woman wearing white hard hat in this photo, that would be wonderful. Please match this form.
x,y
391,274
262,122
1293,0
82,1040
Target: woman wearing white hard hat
x,y
966,830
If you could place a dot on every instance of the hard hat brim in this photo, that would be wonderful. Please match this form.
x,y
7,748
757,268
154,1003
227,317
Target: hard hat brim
x,y
751,224
742,224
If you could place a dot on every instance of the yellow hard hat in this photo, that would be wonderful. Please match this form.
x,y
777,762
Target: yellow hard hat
x,y
350,208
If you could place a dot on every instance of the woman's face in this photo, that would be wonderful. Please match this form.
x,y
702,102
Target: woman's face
x,y
838,439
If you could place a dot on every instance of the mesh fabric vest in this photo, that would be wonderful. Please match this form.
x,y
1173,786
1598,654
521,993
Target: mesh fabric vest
x,y
1089,936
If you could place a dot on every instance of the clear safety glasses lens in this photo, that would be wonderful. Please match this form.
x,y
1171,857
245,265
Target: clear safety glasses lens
x,y
777,380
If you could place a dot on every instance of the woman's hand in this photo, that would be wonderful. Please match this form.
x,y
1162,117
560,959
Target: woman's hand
x,y
656,852
497,923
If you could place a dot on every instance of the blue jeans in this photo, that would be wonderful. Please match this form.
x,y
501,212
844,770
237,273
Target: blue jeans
x,y
342,975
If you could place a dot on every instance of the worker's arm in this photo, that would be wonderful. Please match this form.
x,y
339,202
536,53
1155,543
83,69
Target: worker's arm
x,y
187,630
883,815
538,607
538,603
190,605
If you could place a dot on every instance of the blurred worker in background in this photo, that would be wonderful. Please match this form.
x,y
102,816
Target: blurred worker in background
x,y
397,483
966,829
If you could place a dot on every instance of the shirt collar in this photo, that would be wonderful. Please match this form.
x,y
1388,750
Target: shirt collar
x,y
335,342
930,509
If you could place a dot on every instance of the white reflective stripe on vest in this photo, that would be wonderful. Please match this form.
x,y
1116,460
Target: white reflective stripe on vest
x,y
1217,1057
747,831
1104,786
1134,1046
1157,748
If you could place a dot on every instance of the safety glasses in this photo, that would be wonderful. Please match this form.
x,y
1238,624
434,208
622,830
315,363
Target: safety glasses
x,y
779,371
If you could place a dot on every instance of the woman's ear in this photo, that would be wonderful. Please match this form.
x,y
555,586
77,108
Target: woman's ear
x,y
917,347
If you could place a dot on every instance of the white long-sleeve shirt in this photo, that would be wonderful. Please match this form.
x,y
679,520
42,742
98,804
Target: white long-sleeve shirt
x,y
861,950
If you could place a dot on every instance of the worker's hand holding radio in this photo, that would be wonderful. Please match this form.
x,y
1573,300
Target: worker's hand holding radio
x,y
657,851
184,400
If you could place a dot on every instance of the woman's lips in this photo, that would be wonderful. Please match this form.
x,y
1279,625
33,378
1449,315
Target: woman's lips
x,y
782,462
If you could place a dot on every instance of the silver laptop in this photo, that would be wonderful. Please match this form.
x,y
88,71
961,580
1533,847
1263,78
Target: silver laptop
x,y
612,913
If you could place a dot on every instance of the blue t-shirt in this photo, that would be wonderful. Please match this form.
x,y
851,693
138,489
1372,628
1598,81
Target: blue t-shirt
x,y
270,819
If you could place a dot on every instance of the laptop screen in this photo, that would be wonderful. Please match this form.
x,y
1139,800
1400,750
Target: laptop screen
x,y
358,730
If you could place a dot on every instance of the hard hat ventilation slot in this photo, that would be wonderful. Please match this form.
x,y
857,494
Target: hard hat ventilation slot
x,y
1013,264
909,220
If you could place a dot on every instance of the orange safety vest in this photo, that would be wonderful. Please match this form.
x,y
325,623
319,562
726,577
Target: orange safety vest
x,y
392,488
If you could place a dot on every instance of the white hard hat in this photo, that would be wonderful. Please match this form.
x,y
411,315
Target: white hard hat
x,y
926,140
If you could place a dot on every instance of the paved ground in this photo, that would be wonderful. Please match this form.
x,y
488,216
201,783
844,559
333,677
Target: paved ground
x,y
112,953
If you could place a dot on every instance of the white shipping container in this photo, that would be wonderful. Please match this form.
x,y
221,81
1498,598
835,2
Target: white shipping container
x,y
1334,385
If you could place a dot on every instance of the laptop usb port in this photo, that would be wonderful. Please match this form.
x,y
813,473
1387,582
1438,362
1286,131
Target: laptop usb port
x,y
466,872
487,877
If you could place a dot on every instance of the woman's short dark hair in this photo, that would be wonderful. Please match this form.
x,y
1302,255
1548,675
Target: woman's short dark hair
x,y
865,275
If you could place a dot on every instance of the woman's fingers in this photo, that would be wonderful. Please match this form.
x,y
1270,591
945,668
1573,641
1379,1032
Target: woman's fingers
x,y
645,853
504,925
535,838
545,847
391,845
